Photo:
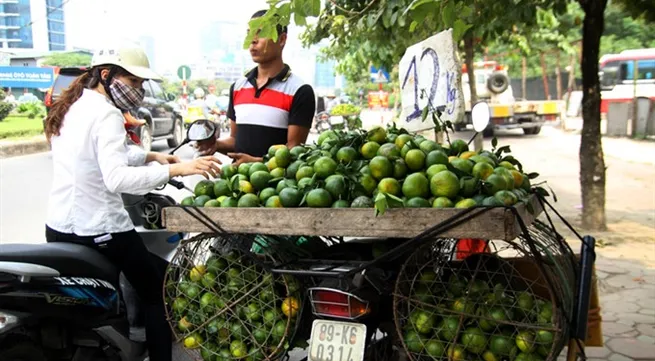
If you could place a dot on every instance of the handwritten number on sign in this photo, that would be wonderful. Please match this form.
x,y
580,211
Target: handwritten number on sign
x,y
413,67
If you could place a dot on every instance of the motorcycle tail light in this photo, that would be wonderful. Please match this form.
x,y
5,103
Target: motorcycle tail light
x,y
338,304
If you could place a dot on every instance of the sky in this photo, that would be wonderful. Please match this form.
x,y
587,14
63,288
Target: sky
x,y
175,25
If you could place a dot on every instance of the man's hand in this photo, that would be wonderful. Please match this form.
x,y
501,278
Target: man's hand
x,y
243,158
206,147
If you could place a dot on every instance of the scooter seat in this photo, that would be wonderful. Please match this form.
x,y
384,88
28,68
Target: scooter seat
x,y
71,260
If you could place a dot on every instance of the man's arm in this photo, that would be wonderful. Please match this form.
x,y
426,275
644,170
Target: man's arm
x,y
227,145
301,116
223,145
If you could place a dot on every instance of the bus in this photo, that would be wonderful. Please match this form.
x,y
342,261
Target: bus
x,y
617,76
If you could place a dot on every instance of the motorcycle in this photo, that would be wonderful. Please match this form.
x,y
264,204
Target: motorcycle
x,y
349,290
67,301
325,121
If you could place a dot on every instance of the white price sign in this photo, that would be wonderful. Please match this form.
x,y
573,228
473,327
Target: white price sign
x,y
430,74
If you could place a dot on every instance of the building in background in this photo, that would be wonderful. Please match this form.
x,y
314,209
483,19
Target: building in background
x,y
32,25
324,76
56,25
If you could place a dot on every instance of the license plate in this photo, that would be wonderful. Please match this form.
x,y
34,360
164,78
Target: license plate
x,y
336,119
337,341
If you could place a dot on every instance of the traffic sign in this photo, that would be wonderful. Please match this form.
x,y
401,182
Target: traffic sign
x,y
379,75
430,74
184,72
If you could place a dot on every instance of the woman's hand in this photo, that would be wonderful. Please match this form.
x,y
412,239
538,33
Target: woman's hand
x,y
205,166
163,158
243,158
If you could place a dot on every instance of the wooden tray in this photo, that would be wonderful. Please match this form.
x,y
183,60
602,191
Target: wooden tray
x,y
498,223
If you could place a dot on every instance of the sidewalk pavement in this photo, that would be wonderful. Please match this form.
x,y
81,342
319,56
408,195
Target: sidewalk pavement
x,y
627,300
12,148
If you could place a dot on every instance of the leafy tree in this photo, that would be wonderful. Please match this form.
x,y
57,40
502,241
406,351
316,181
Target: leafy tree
x,y
68,60
643,9
375,32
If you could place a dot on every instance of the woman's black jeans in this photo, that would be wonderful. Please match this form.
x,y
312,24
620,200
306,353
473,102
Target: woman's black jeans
x,y
144,271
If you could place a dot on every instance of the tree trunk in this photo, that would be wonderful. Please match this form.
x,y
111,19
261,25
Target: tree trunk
x,y
469,50
558,74
571,85
544,75
592,164
524,77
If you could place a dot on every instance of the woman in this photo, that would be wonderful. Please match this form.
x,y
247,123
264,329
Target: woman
x,y
93,166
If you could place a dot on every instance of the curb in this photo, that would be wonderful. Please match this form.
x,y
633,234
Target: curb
x,y
24,147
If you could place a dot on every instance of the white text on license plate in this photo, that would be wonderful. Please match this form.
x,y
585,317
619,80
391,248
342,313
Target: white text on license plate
x,y
337,341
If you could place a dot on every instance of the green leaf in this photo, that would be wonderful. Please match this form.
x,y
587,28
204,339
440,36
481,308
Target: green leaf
x,y
381,204
448,14
393,200
503,149
425,112
464,11
304,198
235,184
541,191
312,7
494,143
402,18
299,8
299,19
416,3
413,26
513,161
394,17
532,175
268,31
459,29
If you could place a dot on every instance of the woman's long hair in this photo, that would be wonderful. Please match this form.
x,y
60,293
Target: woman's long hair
x,y
89,79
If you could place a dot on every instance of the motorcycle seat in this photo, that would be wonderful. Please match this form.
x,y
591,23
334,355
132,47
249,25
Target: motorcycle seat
x,y
70,259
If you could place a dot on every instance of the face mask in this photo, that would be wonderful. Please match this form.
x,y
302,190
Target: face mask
x,y
126,97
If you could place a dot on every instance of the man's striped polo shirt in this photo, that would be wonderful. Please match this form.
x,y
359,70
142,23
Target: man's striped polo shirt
x,y
263,116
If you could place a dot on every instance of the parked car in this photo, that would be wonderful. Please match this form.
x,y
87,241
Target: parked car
x,y
163,120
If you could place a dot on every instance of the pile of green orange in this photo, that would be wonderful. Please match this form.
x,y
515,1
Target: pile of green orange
x,y
381,168
458,319
229,309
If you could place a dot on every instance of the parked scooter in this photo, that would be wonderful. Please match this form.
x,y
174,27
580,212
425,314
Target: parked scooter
x,y
64,301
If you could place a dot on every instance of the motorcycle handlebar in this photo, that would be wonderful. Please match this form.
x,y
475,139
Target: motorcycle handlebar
x,y
176,184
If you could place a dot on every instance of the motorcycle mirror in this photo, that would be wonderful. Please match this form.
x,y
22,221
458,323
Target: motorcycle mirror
x,y
480,116
201,129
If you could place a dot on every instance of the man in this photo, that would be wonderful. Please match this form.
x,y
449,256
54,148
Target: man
x,y
269,105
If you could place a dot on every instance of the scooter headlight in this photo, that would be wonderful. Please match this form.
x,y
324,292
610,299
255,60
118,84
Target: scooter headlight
x,y
7,321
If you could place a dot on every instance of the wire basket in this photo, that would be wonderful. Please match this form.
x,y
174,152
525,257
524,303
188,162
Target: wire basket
x,y
224,303
505,301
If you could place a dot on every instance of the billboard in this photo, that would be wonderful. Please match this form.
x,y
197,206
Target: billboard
x,y
26,77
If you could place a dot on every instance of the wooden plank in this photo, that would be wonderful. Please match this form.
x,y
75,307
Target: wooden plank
x,y
498,223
